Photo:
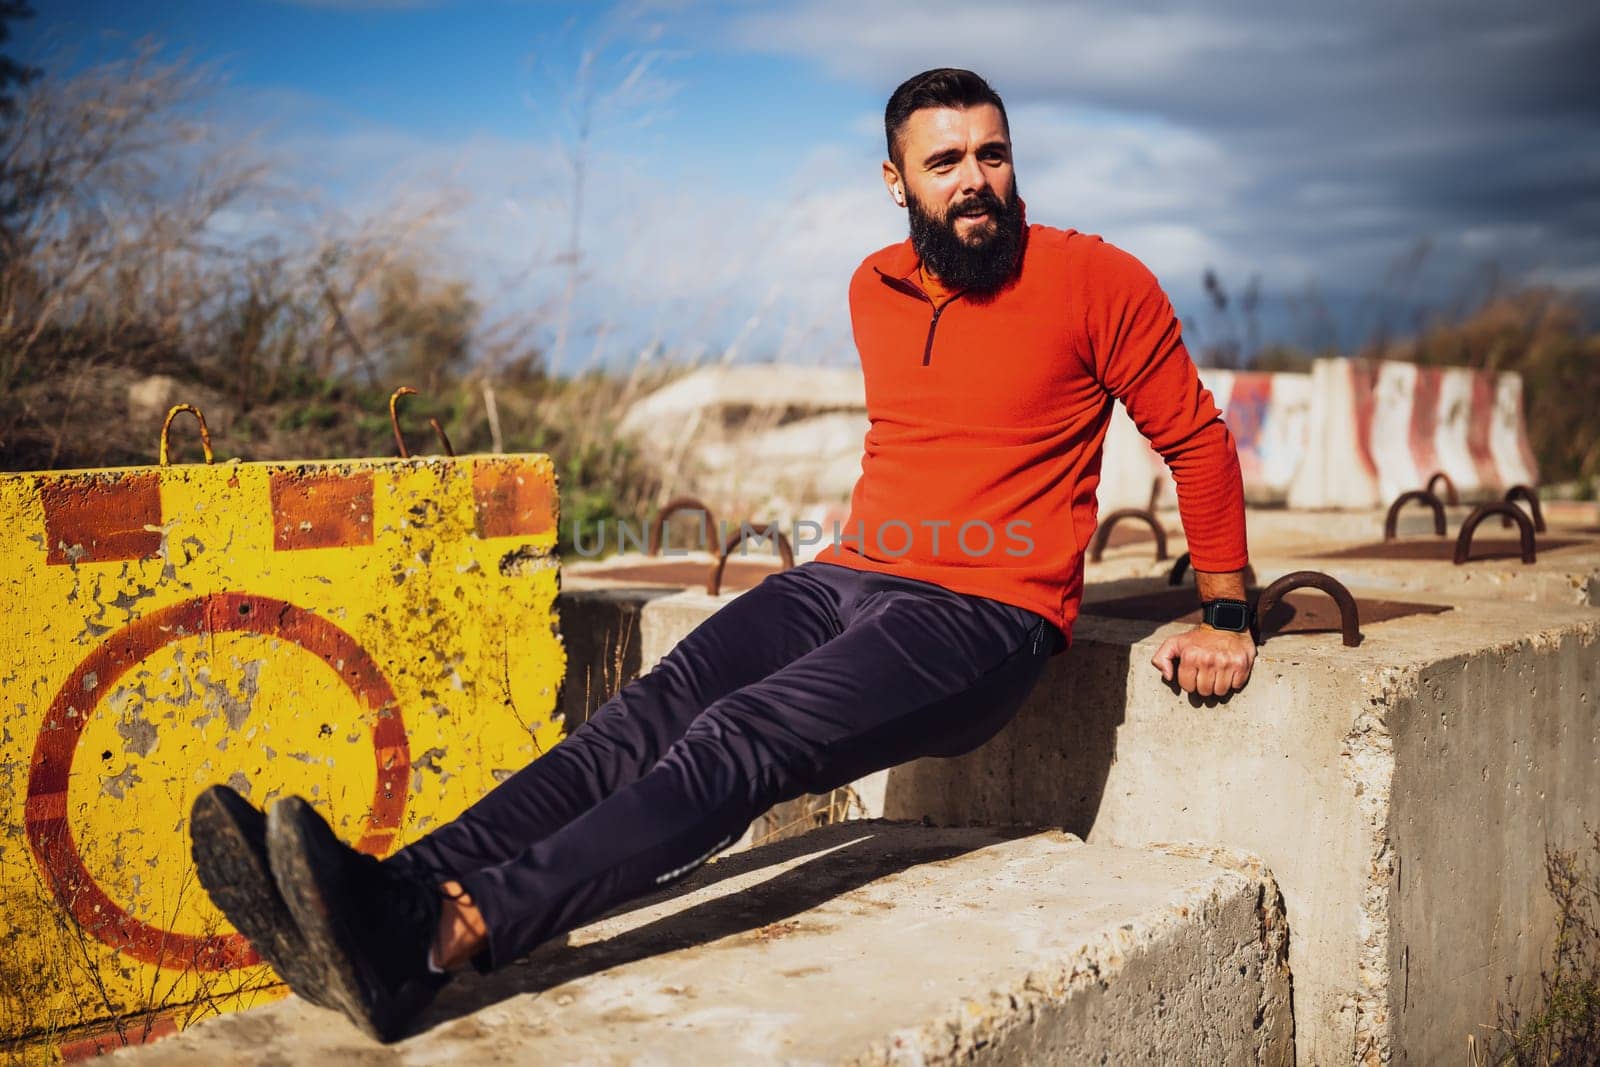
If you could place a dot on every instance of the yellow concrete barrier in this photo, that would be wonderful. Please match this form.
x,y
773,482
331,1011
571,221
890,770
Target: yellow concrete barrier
x,y
378,635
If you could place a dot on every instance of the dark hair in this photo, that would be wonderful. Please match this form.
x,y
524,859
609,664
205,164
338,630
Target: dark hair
x,y
940,87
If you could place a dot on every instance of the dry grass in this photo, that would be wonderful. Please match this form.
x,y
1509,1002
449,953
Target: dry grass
x,y
1564,1026
59,984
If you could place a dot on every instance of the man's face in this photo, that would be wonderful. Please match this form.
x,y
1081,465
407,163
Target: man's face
x,y
956,180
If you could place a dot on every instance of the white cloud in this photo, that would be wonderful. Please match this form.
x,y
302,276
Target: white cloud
x,y
687,263
1302,142
1306,146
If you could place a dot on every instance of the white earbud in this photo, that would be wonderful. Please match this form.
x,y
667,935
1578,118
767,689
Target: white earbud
x,y
899,197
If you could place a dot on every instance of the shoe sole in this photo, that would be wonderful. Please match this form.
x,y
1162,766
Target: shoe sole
x,y
229,846
305,865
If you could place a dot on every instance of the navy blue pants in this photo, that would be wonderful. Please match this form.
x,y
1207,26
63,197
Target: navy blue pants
x,y
817,676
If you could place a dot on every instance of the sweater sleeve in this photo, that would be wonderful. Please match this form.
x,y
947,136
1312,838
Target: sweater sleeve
x,y
1138,355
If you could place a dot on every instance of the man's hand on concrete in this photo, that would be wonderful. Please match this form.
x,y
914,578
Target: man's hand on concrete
x,y
1207,662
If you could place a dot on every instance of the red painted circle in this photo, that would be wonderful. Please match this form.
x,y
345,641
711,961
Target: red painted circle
x,y
49,834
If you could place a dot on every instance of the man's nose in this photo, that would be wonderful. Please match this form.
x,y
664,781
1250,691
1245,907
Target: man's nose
x,y
970,174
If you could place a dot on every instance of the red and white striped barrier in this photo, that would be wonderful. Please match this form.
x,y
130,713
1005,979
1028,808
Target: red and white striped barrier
x,y
1269,415
1350,434
1384,427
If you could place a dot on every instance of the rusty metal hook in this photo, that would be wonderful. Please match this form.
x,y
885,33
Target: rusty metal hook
x,y
1102,533
1391,521
1483,511
673,506
394,423
1349,619
1155,492
166,428
1522,492
746,529
1450,495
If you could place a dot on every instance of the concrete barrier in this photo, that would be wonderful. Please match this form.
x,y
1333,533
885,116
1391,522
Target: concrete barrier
x,y
1401,792
1381,428
1350,434
770,439
868,943
1269,415
377,635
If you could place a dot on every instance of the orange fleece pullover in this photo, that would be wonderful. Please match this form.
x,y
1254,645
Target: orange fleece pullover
x,y
988,417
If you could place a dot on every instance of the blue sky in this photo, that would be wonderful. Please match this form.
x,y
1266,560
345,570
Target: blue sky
x,y
733,182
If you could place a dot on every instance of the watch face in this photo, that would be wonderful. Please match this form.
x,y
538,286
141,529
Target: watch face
x,y
1229,616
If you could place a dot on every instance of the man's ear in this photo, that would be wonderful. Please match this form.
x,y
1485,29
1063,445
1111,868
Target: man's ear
x,y
896,186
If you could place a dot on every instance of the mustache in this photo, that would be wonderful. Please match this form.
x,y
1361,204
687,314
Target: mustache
x,y
980,203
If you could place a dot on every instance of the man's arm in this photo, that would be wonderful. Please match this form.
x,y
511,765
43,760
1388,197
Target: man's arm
x,y
1140,358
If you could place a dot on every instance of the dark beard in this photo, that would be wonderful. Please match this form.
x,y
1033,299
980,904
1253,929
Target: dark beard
x,y
983,267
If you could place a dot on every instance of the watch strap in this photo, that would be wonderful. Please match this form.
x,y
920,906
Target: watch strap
x,y
1235,616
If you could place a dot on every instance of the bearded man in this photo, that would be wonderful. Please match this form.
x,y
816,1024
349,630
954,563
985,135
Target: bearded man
x,y
992,352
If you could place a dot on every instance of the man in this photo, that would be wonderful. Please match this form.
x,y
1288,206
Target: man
x,y
992,352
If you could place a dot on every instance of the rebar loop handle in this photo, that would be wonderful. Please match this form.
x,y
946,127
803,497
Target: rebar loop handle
x,y
166,429
745,530
394,424
680,503
1522,492
1349,619
1391,521
1155,493
1450,495
1483,511
1102,533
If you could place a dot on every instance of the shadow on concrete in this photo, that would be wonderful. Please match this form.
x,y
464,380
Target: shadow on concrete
x,y
834,860
1049,765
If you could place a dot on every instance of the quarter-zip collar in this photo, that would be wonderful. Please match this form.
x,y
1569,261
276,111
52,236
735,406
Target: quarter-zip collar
x,y
912,289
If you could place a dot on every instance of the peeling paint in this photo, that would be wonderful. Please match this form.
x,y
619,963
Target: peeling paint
x,y
138,734
118,785
428,761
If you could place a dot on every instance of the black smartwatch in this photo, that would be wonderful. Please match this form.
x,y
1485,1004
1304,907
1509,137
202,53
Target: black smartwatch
x,y
1233,615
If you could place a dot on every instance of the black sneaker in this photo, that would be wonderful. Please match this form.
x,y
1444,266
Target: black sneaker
x,y
229,845
369,927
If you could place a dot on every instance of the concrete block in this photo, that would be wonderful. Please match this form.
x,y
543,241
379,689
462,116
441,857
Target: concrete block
x,y
600,629
1272,533
680,570
1566,572
1349,545
375,634
865,943
1402,793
